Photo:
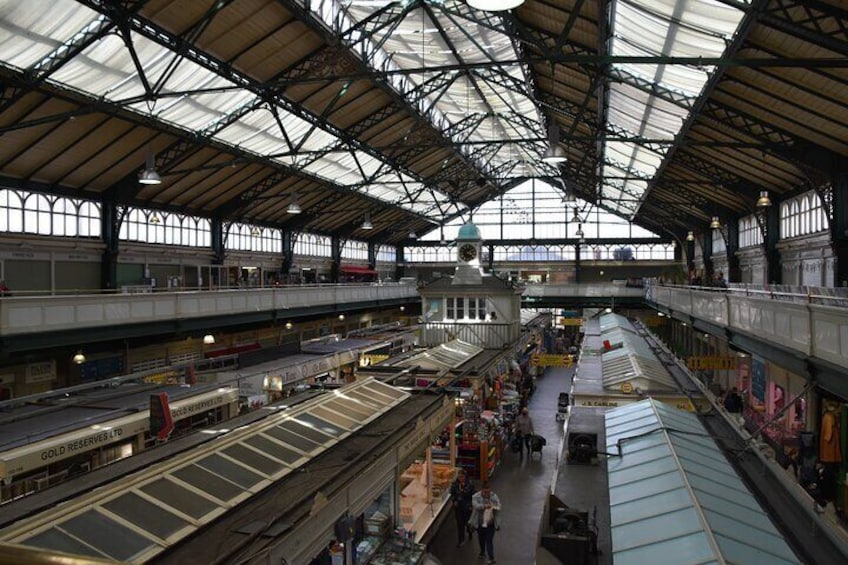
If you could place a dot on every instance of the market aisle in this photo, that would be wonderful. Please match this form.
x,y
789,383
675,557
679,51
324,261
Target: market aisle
x,y
521,486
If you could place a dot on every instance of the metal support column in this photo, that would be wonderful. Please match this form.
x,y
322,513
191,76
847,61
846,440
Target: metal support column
x,y
839,228
110,228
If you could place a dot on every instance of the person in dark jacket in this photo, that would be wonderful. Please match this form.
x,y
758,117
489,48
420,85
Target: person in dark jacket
x,y
733,402
461,492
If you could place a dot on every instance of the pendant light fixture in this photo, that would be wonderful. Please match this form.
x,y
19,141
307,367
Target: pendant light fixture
x,y
495,5
208,339
581,237
78,358
715,224
366,222
763,201
576,217
690,236
294,207
150,176
155,219
413,235
554,154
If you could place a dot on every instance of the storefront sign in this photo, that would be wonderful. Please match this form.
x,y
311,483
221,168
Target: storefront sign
x,y
615,401
36,456
572,321
41,372
165,377
550,360
712,363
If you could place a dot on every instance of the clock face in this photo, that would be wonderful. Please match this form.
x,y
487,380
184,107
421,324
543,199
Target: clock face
x,y
467,252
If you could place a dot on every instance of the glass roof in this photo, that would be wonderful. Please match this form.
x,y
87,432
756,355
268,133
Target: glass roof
x,y
634,362
495,105
674,497
161,505
448,355
197,99
653,28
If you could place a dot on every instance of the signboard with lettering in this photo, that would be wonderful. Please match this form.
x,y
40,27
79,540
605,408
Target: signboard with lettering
x,y
38,455
551,360
712,363
41,372
610,401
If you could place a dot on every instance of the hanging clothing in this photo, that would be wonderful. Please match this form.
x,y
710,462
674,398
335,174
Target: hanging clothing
x,y
829,450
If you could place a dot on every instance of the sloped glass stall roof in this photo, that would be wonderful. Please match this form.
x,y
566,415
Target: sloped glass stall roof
x,y
634,362
674,497
653,101
141,515
448,355
196,99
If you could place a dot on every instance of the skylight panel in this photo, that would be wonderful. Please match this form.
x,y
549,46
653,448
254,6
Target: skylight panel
x,y
419,41
338,166
43,35
670,28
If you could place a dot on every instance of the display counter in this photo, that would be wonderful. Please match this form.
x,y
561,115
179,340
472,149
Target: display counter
x,y
423,494
394,551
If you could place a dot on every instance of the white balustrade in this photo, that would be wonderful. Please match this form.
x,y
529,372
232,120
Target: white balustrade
x,y
805,326
32,314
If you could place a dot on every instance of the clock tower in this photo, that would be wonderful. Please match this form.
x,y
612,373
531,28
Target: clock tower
x,y
468,268
473,307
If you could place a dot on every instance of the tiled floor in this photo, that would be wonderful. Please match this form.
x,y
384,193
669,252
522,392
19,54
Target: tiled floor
x,y
522,486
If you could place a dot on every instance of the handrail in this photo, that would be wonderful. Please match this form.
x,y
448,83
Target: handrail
x,y
812,296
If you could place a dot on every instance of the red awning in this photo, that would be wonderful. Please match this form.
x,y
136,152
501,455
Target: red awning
x,y
357,270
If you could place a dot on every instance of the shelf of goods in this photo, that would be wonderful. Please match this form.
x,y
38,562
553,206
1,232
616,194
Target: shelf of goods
x,y
479,460
420,503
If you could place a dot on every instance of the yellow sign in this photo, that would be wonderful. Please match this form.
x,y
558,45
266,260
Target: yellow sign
x,y
551,360
626,388
165,377
572,321
712,362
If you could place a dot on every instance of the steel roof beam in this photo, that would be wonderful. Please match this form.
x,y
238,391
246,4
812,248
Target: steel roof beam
x,y
739,39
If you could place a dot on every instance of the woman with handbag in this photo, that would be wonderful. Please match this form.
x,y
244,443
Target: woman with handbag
x,y
485,518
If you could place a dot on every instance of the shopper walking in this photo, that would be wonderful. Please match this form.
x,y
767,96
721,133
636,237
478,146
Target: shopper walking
x,y
461,493
485,517
524,430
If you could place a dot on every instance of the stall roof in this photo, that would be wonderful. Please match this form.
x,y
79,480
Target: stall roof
x,y
30,423
674,497
634,362
611,322
167,502
448,355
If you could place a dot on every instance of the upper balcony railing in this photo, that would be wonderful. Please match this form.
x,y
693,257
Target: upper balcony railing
x,y
811,321
33,314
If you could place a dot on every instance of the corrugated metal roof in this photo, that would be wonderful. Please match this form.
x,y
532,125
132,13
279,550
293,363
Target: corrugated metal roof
x,y
674,497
